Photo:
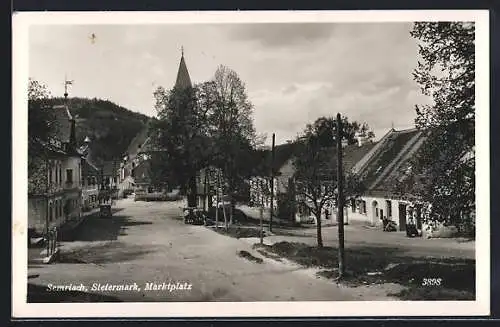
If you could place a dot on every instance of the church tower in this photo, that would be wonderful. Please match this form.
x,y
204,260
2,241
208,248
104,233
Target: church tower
x,y
183,80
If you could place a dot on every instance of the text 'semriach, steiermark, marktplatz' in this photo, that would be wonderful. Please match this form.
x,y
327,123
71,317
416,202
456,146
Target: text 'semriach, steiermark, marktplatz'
x,y
107,287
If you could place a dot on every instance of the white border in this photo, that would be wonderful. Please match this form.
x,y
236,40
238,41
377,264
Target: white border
x,y
21,309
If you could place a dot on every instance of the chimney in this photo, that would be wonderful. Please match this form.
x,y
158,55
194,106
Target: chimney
x,y
344,143
361,138
72,136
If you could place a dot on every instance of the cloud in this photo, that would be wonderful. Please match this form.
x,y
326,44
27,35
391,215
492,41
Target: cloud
x,y
283,34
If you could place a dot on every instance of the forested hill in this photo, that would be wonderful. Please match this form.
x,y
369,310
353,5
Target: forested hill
x,y
110,127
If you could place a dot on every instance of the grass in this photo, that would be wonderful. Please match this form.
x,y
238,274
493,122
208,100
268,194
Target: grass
x,y
247,255
239,232
367,266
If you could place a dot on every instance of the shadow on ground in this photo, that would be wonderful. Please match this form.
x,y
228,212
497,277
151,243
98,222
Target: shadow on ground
x,y
111,252
96,228
40,294
451,279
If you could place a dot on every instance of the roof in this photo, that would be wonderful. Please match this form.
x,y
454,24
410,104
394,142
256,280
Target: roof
x,y
88,168
183,80
352,154
141,173
137,142
63,119
110,167
389,158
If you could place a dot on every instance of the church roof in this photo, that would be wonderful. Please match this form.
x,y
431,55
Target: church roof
x,y
183,80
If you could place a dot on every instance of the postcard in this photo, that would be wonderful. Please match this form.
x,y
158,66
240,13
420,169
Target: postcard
x,y
250,164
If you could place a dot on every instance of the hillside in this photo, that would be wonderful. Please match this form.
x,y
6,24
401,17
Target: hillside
x,y
110,127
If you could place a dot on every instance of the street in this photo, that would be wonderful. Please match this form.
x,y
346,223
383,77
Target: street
x,y
147,242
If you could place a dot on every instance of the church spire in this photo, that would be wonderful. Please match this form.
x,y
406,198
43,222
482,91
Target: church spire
x,y
183,80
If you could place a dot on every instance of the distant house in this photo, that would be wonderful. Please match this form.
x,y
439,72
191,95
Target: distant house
x,y
54,186
109,172
90,178
288,201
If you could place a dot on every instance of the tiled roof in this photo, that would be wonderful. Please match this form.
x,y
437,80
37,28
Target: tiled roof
x,y
399,147
352,154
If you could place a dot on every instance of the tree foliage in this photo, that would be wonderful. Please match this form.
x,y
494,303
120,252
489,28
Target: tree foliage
x,y
207,125
445,166
41,128
315,164
181,130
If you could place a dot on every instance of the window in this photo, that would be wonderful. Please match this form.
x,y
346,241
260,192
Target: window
x,y
376,212
69,175
50,175
389,208
50,212
60,175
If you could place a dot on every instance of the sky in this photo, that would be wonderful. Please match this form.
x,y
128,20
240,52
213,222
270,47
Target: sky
x,y
293,72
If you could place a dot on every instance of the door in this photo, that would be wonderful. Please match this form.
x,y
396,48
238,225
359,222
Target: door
x,y
402,217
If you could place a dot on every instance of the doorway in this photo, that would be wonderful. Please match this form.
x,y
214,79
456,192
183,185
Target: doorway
x,y
402,217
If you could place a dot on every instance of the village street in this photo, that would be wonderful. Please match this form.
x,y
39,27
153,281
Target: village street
x,y
147,242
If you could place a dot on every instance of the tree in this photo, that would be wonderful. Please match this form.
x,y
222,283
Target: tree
x,y
445,166
181,131
326,129
41,128
315,165
230,125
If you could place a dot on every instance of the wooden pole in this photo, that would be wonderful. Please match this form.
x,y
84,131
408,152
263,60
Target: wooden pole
x,y
261,186
340,199
272,186
217,200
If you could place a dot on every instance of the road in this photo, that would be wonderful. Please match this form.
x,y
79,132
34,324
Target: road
x,y
147,242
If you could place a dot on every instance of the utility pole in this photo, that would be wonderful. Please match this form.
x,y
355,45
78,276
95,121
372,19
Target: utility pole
x,y
261,211
272,186
340,198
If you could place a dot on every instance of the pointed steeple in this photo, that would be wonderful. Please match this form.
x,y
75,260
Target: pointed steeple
x,y
183,80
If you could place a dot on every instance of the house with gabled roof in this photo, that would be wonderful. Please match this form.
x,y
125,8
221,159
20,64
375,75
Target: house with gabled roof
x,y
380,169
286,203
54,186
90,177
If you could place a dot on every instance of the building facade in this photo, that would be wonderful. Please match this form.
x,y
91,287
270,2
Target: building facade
x,y
54,186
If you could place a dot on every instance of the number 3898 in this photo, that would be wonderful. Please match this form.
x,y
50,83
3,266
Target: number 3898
x,y
431,282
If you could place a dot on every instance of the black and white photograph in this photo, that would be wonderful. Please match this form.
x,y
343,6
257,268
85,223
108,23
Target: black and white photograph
x,y
275,164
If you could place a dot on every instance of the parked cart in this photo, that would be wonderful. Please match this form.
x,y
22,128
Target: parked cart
x,y
105,204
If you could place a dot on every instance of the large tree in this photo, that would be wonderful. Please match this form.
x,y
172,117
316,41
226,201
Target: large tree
x,y
445,166
230,125
181,130
41,128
